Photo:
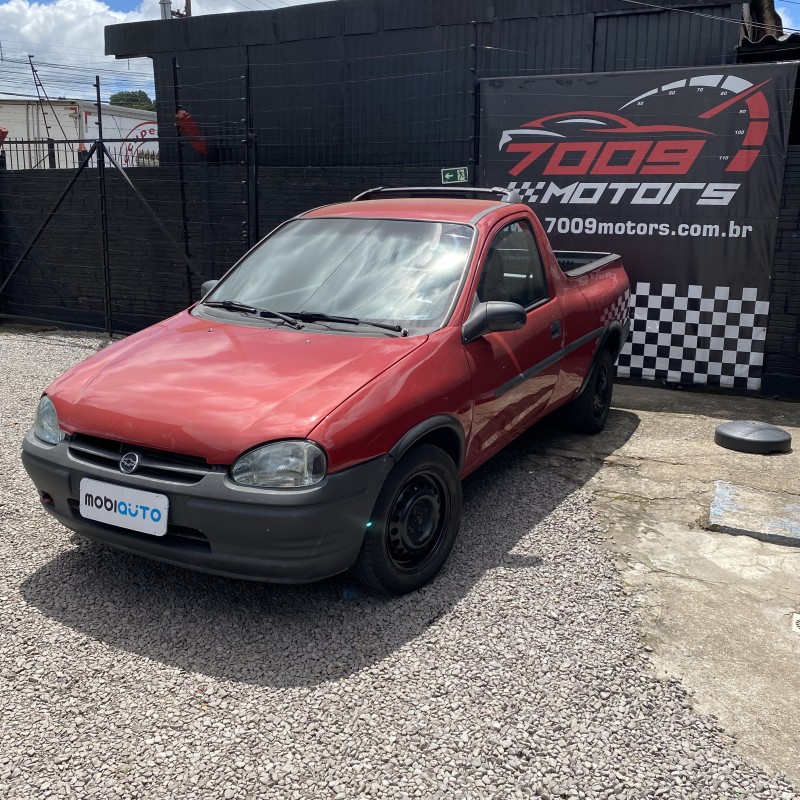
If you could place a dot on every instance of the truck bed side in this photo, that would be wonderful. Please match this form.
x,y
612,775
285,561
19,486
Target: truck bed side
x,y
579,262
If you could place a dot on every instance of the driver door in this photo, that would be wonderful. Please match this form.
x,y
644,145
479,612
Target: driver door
x,y
513,372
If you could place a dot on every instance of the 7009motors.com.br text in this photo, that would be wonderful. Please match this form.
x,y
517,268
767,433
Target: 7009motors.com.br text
x,y
592,226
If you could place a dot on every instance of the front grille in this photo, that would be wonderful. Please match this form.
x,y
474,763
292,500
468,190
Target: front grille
x,y
176,535
161,464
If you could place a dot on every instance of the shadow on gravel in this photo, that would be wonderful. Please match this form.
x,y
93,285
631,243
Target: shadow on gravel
x,y
288,636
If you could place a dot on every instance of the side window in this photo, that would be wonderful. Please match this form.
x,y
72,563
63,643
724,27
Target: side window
x,y
513,270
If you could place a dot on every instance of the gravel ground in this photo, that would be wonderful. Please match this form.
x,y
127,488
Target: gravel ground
x,y
518,673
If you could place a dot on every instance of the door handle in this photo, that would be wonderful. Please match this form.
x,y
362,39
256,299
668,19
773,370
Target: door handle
x,y
555,329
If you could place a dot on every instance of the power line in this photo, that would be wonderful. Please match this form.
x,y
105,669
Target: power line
x,y
270,8
706,16
52,45
77,67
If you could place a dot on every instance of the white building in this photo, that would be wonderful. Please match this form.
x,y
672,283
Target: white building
x,y
56,134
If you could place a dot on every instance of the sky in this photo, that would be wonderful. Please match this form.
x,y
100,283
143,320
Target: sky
x,y
66,39
790,14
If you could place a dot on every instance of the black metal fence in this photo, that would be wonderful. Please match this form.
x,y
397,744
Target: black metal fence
x,y
117,248
19,154
115,234
101,234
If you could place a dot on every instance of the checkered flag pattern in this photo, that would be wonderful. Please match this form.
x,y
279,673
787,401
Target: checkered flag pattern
x,y
711,335
618,310
526,189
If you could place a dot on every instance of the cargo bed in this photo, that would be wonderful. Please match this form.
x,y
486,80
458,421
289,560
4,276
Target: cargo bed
x,y
578,262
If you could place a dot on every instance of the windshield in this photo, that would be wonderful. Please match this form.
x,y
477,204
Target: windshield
x,y
394,271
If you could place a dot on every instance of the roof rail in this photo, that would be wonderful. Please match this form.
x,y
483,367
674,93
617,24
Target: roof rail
x,y
506,195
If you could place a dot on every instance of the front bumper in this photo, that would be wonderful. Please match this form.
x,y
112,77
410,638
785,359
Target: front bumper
x,y
217,526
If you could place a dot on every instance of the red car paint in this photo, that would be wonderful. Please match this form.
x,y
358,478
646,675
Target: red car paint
x,y
209,390
215,390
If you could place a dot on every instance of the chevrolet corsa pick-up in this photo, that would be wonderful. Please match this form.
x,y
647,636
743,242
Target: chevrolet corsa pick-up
x,y
316,411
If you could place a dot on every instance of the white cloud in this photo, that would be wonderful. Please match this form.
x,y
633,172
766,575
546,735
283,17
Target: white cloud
x,y
66,40
66,37
787,15
65,24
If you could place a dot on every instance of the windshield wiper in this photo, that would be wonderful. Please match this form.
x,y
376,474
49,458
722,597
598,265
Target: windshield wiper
x,y
235,305
319,316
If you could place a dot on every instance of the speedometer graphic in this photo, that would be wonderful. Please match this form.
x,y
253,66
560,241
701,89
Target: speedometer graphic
x,y
742,103
720,118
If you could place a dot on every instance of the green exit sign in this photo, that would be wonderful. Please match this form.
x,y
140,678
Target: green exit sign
x,y
455,175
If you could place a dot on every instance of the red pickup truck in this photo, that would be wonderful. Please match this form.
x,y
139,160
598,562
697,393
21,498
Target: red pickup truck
x,y
317,409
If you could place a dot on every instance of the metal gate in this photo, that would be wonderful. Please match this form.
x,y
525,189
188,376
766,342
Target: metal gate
x,y
103,234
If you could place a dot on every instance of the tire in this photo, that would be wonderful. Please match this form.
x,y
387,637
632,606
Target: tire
x,y
589,410
748,436
413,525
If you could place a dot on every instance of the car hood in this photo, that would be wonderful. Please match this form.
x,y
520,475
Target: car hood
x,y
217,389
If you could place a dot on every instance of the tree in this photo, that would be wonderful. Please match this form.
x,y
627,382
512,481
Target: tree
x,y
136,99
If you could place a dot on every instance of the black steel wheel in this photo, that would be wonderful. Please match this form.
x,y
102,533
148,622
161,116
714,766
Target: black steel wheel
x,y
590,408
414,523
418,520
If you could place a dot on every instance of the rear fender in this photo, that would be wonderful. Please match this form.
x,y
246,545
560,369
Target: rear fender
x,y
613,338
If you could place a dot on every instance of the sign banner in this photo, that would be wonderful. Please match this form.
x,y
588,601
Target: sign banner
x,y
680,172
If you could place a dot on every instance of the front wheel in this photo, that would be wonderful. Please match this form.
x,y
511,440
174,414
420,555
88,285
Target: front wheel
x,y
414,523
589,410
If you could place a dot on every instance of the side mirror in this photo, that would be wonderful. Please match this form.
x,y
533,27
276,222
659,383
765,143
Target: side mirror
x,y
207,287
496,315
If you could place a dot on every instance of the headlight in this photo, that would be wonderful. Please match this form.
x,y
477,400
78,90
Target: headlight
x,y
281,465
45,424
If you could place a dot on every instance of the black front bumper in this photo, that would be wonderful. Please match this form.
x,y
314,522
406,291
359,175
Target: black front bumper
x,y
217,526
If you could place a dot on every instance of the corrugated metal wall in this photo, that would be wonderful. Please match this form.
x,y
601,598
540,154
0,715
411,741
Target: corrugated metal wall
x,y
392,82
663,39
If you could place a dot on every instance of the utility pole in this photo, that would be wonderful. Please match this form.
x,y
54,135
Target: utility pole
x,y
38,84
187,11
40,90
101,175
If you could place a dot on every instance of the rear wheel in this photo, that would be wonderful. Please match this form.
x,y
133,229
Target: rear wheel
x,y
414,523
589,410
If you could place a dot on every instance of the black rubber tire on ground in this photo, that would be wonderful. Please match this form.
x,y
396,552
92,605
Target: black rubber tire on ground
x,y
589,410
751,436
413,525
